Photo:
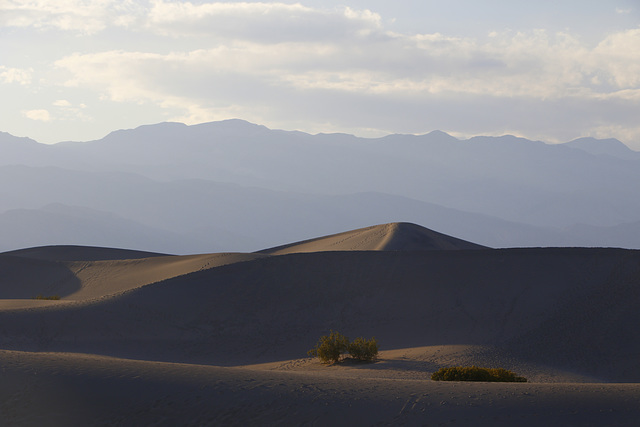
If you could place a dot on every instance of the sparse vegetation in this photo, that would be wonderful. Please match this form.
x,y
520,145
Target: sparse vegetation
x,y
331,347
474,373
364,350
51,297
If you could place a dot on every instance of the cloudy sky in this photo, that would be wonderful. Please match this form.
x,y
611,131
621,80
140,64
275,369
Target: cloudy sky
x,y
552,70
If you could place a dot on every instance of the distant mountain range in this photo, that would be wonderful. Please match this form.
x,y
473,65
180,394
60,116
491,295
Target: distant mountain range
x,y
237,186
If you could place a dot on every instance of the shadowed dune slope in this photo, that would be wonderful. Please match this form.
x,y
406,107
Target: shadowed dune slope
x,y
275,307
25,278
397,236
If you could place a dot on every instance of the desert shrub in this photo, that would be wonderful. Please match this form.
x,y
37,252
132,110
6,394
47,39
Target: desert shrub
x,y
330,348
51,297
362,349
474,373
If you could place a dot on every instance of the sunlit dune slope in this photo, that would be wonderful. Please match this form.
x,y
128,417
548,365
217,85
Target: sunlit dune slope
x,y
27,277
101,278
397,236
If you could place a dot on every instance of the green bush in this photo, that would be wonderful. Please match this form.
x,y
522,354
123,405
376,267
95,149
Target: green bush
x,y
330,348
474,373
52,297
364,350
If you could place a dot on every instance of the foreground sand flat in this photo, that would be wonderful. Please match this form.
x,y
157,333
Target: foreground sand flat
x,y
74,389
220,339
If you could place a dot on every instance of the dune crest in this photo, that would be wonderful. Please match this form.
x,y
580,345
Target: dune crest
x,y
396,236
80,253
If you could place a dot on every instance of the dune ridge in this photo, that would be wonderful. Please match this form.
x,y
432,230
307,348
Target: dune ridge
x,y
79,253
397,236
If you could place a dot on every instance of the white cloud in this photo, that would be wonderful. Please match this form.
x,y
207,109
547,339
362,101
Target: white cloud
x,y
38,115
618,58
62,103
259,22
338,49
85,16
523,65
66,111
15,75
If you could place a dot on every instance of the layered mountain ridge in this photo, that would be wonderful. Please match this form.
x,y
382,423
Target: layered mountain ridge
x,y
192,189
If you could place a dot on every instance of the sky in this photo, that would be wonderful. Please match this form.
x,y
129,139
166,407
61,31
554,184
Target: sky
x,y
551,70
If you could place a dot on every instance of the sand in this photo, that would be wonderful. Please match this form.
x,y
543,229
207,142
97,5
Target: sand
x,y
221,339
75,389
385,237
90,279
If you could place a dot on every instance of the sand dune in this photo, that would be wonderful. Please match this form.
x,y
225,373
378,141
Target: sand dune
x,y
274,307
399,236
194,328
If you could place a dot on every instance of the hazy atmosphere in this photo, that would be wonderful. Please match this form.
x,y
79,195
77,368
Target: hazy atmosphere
x,y
319,213
548,70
